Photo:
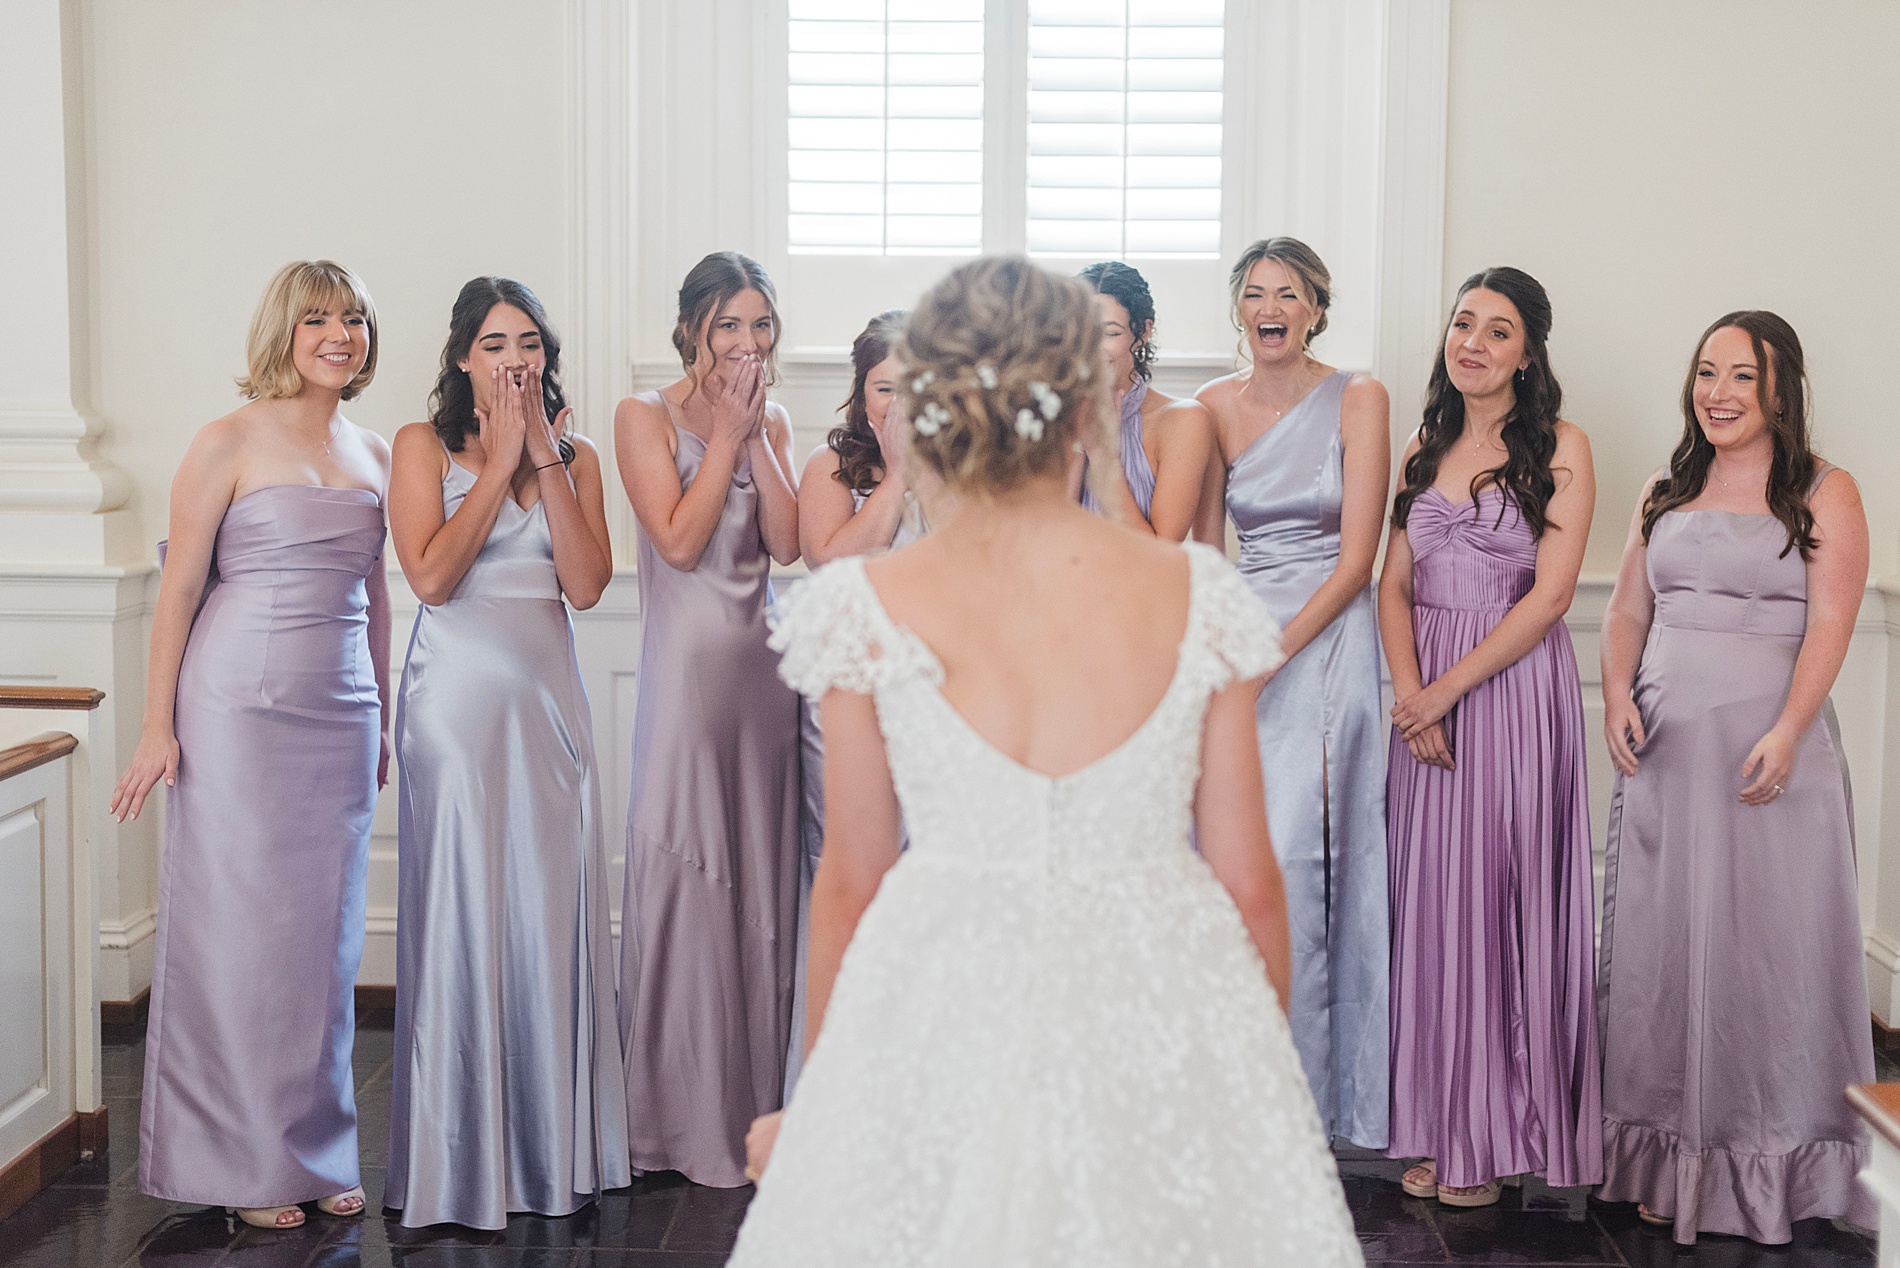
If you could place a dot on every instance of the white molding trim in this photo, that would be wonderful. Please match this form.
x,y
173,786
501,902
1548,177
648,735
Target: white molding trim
x,y
1412,197
600,260
128,931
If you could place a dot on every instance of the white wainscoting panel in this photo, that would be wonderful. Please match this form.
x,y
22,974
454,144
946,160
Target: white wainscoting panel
x,y
37,968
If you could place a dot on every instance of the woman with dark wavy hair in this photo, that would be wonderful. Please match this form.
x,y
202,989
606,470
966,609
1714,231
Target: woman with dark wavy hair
x,y
1170,483
508,1090
854,499
1494,1045
1734,1009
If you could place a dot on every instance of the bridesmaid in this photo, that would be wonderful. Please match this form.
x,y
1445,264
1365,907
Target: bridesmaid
x,y
1308,457
853,498
1727,1041
265,715
1170,483
1494,1049
710,914
508,1089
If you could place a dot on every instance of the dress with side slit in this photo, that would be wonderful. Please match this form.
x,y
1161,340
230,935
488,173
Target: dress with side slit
x,y
1321,726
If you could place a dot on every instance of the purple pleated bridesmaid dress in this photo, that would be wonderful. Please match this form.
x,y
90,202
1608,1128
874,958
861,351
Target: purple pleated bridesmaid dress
x,y
1734,1006
710,914
248,1094
1494,1043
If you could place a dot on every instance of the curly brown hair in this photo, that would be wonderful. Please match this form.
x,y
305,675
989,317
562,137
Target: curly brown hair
x,y
860,459
1004,374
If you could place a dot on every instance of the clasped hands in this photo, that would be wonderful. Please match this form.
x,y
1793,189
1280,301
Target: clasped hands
x,y
1419,718
738,402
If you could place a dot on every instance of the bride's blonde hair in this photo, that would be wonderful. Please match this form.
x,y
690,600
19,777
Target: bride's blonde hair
x,y
1003,374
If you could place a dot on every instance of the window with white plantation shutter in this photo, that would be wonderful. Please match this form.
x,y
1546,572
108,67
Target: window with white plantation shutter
x,y
1124,153
885,127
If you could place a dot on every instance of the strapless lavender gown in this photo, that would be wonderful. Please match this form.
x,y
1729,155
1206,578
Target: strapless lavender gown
x,y
248,1093
1321,728
1494,1041
508,1093
710,915
1734,1008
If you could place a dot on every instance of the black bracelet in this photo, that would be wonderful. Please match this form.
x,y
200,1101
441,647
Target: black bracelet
x,y
556,463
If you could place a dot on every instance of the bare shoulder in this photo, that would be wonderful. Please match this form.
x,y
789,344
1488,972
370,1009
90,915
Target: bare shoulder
x,y
1572,440
585,450
640,407
778,423
1838,492
1216,393
1364,392
823,462
1184,416
412,436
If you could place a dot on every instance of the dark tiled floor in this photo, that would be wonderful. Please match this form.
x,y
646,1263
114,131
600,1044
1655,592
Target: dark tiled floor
x,y
95,1217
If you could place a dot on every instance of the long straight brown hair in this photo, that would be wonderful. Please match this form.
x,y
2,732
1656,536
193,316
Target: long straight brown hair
x,y
1778,362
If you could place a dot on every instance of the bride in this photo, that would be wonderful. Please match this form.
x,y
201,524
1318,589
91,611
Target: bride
x,y
1050,1034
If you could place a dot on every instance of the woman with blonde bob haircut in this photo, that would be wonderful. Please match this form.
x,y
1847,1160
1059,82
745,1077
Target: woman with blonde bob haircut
x,y
267,716
1055,1038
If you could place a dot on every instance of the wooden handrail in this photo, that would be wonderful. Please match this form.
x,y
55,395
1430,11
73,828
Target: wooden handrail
x,y
37,751
1879,1104
19,697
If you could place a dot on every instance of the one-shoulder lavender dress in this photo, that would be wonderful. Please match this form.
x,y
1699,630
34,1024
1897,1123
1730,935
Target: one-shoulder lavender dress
x,y
1321,728
1734,1008
509,1094
1494,1041
710,915
248,1093
1135,467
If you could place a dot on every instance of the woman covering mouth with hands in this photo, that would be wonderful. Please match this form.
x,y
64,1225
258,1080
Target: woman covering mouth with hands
x,y
508,1092
711,902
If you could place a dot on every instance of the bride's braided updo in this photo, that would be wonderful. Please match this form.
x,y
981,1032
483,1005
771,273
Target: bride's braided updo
x,y
1003,374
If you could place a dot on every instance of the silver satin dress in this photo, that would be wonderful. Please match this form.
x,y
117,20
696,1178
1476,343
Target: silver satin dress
x,y
248,1095
811,810
509,1093
710,917
1322,751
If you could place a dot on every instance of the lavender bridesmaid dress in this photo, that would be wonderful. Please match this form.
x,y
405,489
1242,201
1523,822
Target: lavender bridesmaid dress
x,y
710,915
248,1093
1140,475
811,810
1733,1005
1320,725
1494,1043
509,1094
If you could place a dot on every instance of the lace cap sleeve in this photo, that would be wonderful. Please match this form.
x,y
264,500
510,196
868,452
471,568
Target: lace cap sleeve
x,y
1238,630
826,632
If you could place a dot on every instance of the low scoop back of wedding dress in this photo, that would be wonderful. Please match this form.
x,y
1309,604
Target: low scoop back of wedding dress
x,y
1051,1040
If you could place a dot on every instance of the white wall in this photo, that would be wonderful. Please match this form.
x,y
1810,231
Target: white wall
x,y
1654,165
1658,165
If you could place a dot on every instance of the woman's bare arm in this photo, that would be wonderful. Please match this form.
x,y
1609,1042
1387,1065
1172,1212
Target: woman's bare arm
x,y
830,526
1230,819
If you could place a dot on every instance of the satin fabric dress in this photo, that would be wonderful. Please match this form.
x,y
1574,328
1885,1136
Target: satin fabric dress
x,y
1135,467
248,1093
1734,1009
1494,1041
1322,726
710,916
811,810
509,1094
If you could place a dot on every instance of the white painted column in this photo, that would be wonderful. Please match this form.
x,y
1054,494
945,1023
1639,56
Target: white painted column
x,y
73,570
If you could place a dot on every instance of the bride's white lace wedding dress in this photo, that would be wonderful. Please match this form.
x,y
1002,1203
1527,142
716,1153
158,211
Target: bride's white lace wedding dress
x,y
1051,1041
